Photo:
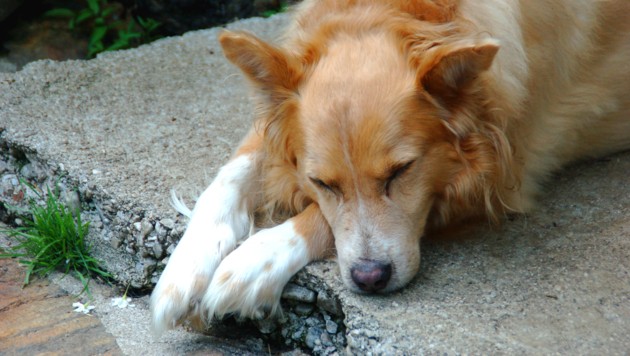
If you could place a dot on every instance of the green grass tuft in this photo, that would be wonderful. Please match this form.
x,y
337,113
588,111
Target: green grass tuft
x,y
53,238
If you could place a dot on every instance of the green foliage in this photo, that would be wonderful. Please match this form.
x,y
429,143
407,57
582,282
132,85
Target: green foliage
x,y
283,7
109,27
53,238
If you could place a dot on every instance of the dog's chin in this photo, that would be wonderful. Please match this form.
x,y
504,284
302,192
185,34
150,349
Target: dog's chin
x,y
392,287
389,289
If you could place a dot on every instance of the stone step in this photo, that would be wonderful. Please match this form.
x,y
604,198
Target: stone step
x,y
39,319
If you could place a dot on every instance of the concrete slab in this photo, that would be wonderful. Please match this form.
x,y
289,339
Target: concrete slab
x,y
125,128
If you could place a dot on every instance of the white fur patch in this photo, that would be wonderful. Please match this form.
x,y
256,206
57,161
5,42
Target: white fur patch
x,y
219,220
250,280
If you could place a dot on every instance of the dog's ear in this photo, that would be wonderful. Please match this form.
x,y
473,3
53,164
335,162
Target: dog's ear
x,y
448,70
269,68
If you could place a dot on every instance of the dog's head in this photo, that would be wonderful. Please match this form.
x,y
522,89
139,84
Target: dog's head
x,y
370,123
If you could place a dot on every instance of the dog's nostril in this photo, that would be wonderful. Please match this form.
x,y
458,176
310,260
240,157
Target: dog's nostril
x,y
371,276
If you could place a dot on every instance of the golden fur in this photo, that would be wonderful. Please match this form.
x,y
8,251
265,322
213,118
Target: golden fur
x,y
392,117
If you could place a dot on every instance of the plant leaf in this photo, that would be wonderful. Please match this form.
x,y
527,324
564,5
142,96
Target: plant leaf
x,y
59,12
93,5
97,35
83,15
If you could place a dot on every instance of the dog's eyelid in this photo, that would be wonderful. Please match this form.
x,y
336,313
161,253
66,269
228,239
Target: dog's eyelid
x,y
400,169
396,172
320,183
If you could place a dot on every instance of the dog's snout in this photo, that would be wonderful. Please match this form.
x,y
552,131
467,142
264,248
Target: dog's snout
x,y
371,276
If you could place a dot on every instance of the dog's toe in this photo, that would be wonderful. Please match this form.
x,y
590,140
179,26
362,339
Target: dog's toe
x,y
173,302
243,289
249,282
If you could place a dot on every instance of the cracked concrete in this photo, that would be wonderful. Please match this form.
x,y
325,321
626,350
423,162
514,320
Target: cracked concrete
x,y
125,128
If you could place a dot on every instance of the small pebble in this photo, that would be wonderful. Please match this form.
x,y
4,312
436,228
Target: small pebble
x,y
303,309
331,327
168,223
116,242
329,304
72,200
266,326
298,293
160,231
297,334
325,339
312,337
158,251
146,228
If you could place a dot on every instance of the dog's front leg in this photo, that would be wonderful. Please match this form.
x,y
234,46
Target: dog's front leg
x,y
219,220
250,280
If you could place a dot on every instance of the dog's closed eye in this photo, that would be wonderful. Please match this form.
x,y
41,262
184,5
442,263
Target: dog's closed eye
x,y
396,172
321,185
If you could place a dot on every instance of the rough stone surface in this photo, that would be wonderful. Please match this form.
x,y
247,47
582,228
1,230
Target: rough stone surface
x,y
39,319
298,293
125,128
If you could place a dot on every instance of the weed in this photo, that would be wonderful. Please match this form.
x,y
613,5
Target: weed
x,y
283,7
53,238
109,27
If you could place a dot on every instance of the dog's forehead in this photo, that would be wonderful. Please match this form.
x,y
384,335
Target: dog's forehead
x,y
352,105
355,82
349,137
369,69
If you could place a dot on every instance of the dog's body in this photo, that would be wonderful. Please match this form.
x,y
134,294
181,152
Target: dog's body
x,y
381,119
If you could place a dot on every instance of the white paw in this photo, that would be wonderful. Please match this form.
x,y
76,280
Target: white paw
x,y
188,274
250,280
218,221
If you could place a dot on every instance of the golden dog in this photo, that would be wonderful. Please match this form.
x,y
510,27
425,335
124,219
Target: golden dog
x,y
380,119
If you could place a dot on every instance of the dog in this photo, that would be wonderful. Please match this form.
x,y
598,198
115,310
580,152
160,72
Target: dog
x,y
380,120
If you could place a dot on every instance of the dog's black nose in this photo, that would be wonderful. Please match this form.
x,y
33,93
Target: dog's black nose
x,y
371,276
